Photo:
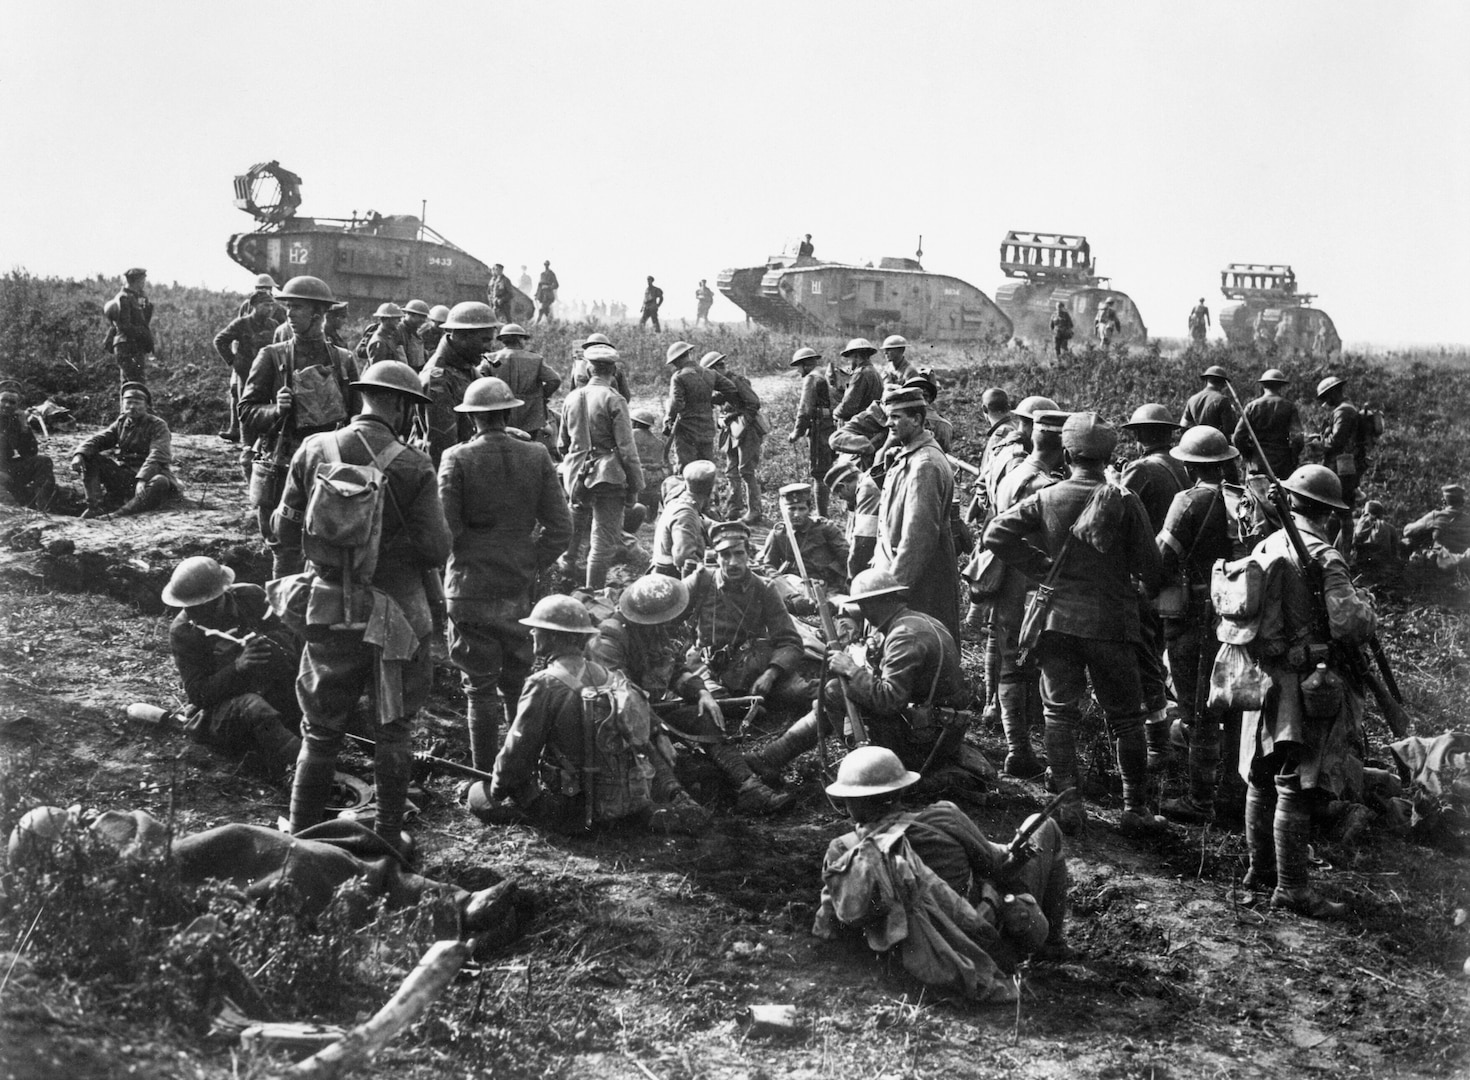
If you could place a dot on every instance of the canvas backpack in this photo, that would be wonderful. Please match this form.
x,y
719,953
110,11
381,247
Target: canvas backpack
x,y
617,724
343,523
1262,604
1370,428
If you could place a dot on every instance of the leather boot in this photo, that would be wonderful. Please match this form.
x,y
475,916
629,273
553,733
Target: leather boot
x,y
1260,844
482,718
1198,806
824,498
392,772
1020,758
770,761
311,787
1132,752
754,516
753,796
1156,733
1292,828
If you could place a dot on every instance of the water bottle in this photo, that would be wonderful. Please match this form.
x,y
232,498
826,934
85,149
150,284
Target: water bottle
x,y
151,715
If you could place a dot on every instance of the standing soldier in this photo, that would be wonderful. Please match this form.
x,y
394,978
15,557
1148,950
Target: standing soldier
x,y
814,420
130,337
265,286
681,535
742,431
1344,450
653,299
600,467
806,250
1196,534
237,345
469,332
386,342
339,660
1277,424
690,417
1211,406
498,293
1005,455
895,349
1106,324
1297,751
1199,323
1061,332
704,298
415,318
914,541
331,325
1090,628
497,489
865,386
529,377
26,474
546,289
582,371
1155,477
296,388
433,329
524,281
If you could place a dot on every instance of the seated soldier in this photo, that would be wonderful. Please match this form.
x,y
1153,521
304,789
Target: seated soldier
x,y
237,663
969,908
682,533
1375,541
1441,532
25,473
742,629
600,778
142,473
823,550
635,640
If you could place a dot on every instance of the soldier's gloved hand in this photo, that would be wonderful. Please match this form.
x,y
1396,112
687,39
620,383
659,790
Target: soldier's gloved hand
x,y
256,654
766,682
284,398
841,663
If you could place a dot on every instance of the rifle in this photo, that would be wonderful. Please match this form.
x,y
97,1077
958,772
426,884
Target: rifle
x,y
421,758
829,628
1385,690
1016,850
963,466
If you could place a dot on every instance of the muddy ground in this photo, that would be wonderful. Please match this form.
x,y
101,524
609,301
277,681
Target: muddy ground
x,y
641,955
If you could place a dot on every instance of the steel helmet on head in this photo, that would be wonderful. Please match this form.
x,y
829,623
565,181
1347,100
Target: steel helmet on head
x,y
595,339
510,330
564,614
711,358
471,315
1272,377
895,341
1203,444
437,314
388,310
873,583
804,354
868,771
1030,406
677,351
859,345
391,375
488,395
307,287
197,580
654,599
1214,371
1151,415
264,281
647,417
1318,483
416,307
1332,382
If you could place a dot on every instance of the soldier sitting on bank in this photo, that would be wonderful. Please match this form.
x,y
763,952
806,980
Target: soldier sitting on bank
x,y
1439,533
237,665
26,474
823,551
140,469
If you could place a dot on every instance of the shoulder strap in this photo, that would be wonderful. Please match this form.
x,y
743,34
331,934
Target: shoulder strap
x,y
381,463
1199,534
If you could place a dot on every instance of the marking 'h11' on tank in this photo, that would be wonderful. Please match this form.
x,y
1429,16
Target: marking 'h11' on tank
x,y
367,260
1051,268
1265,308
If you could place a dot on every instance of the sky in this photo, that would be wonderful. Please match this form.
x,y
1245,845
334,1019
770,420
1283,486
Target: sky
x,y
677,138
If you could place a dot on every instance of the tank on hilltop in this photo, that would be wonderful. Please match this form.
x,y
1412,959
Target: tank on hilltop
x,y
367,259
1265,308
1050,268
799,293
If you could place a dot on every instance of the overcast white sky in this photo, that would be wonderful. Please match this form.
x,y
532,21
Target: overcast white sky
x,y
674,139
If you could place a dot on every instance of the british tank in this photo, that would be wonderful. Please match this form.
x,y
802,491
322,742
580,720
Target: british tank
x,y
1044,269
1265,309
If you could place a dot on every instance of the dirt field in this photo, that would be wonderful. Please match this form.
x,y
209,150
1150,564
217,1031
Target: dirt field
x,y
640,956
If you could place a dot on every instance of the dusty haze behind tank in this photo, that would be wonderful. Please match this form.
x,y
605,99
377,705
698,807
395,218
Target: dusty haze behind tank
x,y
1048,268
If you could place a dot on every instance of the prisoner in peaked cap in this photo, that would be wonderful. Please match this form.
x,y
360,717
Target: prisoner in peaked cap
x,y
1087,435
700,476
601,355
131,387
1454,494
842,472
133,273
727,534
904,397
1051,421
799,492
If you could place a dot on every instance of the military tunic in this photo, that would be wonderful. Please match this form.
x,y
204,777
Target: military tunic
x,y
914,540
445,378
691,411
864,388
531,379
27,474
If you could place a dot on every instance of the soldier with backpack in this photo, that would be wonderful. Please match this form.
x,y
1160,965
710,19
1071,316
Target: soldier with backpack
x,y
690,417
1344,440
742,431
364,507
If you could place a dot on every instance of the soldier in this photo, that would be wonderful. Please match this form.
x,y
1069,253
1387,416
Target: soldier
x,y
681,534
1211,406
296,388
895,349
469,332
265,286
1277,424
130,337
1375,542
1195,534
704,298
237,344
1061,332
433,329
1199,326
651,455
1297,751
865,385
509,519
914,539
26,474
1344,450
582,371
332,323
529,377
741,628
690,417
339,660
742,431
1155,477
141,472
1106,324
524,281
1090,629
635,640
653,299
415,318
805,250
1447,528
814,420
823,551
1003,456
923,380
386,342
237,665
600,467
546,289
1017,687
498,293
852,479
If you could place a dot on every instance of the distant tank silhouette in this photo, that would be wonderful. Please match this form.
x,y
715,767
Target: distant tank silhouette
x,y
1265,308
367,259
898,296
1048,268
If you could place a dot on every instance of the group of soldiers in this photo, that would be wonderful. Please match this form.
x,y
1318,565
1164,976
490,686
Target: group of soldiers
x,y
1089,577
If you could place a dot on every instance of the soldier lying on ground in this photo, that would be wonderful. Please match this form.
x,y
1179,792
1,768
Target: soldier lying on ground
x,y
959,908
141,468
